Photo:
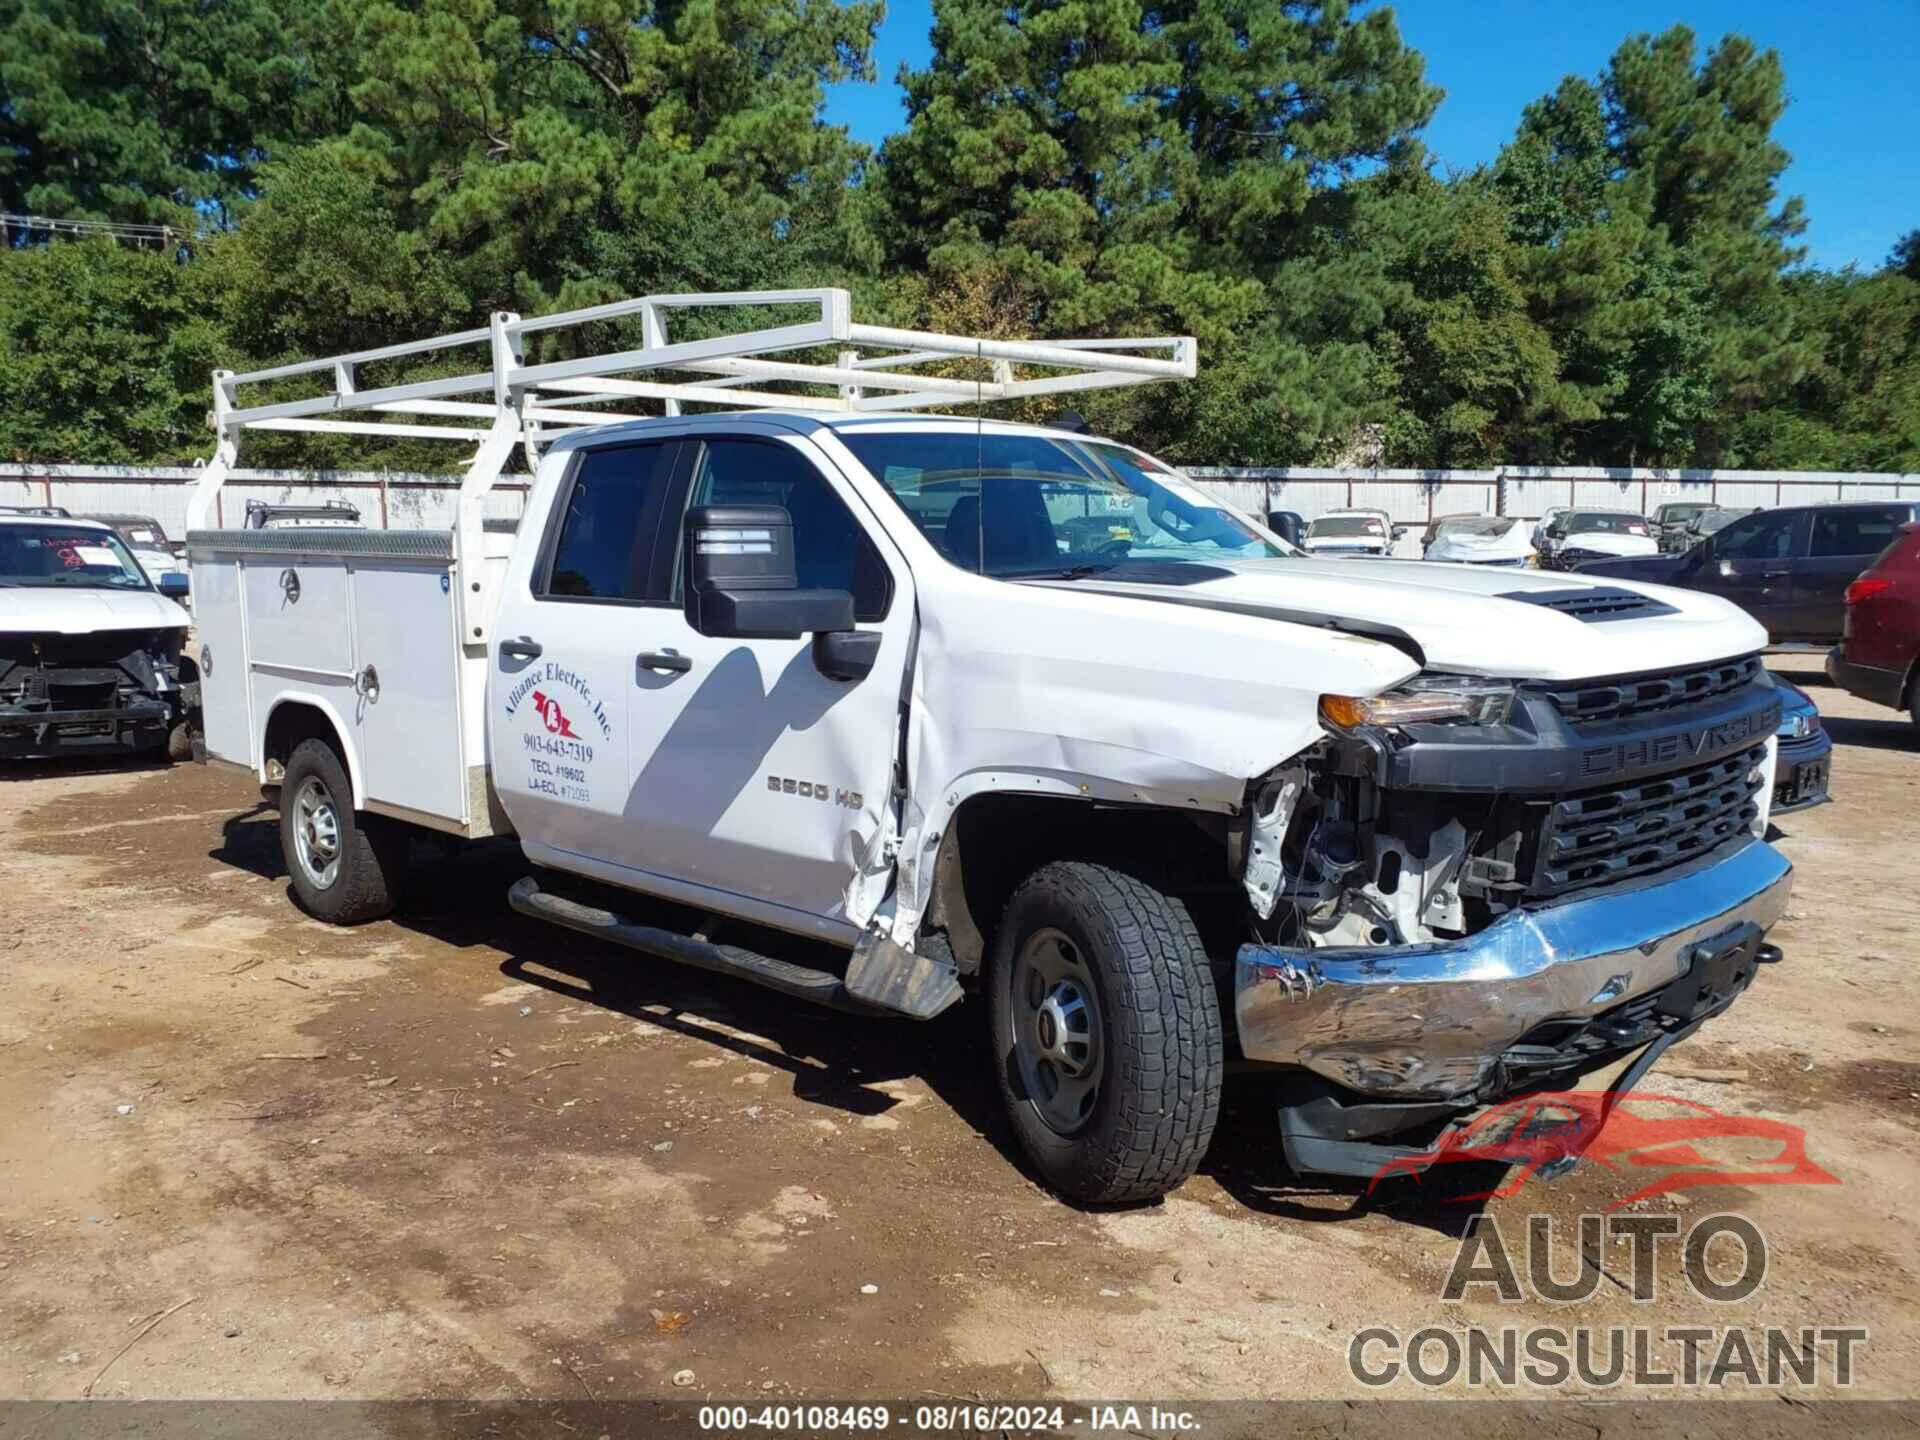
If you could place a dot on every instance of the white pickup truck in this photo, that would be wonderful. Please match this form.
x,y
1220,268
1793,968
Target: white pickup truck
x,y
1012,710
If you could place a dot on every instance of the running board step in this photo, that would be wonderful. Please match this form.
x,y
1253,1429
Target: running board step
x,y
799,982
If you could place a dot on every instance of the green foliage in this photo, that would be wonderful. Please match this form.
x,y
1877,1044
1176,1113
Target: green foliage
x,y
1140,165
1620,286
516,133
148,111
104,355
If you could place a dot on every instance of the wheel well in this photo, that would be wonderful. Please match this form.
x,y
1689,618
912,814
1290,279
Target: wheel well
x,y
291,723
996,840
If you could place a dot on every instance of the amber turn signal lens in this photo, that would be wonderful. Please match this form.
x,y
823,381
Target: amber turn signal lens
x,y
1343,712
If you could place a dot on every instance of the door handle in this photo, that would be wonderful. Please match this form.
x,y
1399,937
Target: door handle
x,y
671,660
1776,574
522,648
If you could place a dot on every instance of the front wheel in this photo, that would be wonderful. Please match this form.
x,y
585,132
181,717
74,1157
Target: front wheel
x,y
346,867
1106,1033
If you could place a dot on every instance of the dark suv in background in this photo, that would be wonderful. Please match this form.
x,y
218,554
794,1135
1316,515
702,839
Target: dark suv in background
x,y
1788,568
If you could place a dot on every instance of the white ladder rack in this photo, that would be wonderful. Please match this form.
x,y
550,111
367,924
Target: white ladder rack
x,y
510,403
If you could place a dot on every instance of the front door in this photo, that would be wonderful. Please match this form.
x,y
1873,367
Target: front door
x,y
1751,564
561,676
753,773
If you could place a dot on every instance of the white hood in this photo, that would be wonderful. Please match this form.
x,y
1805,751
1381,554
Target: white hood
x,y
1476,548
1611,542
71,610
1473,620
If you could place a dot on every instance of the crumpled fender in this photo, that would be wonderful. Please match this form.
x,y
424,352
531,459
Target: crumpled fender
x,y
1098,697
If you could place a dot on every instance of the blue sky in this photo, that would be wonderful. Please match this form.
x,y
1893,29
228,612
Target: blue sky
x,y
1852,126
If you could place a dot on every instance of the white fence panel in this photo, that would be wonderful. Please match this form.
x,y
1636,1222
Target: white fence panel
x,y
1412,497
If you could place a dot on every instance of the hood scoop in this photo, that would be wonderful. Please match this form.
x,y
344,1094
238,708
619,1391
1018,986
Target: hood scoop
x,y
1594,606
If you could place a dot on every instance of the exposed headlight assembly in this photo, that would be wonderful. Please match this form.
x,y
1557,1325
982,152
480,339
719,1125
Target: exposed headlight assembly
x,y
1425,699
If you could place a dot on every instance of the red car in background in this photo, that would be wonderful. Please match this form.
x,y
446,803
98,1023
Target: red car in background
x,y
1879,651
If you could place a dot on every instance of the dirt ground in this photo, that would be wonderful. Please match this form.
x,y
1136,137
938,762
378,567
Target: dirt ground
x,y
462,1155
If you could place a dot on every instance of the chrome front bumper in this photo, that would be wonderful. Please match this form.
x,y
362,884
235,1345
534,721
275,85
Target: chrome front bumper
x,y
1431,1021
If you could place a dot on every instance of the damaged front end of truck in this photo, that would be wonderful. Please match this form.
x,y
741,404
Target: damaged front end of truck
x,y
1469,889
106,691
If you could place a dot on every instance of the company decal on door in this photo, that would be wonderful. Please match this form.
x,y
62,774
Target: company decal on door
x,y
560,721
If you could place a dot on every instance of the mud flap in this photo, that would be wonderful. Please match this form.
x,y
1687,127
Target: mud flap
x,y
895,978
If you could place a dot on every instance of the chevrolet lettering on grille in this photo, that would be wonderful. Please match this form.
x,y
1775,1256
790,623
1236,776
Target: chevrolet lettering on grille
x,y
1680,746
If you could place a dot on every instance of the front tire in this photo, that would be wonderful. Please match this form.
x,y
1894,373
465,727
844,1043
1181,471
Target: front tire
x,y
346,866
1106,1033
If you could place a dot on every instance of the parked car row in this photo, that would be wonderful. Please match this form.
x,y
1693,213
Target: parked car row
x,y
1788,568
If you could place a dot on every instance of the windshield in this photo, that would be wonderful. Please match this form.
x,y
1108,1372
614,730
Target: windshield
x,y
54,554
1340,527
1679,514
1033,505
1606,522
1714,521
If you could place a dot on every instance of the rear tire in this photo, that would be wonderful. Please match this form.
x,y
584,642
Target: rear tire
x,y
1106,1033
346,866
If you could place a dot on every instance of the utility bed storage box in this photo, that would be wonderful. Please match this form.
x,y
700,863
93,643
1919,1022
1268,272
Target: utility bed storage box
x,y
360,624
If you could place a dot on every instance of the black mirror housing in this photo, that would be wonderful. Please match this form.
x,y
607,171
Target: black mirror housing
x,y
740,579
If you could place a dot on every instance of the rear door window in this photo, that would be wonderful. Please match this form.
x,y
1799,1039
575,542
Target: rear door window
x,y
1855,532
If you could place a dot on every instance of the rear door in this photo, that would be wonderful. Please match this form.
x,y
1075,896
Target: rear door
x,y
1843,543
561,677
754,775
1752,565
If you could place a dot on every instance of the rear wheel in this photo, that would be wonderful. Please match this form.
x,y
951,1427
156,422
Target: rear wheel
x,y
1106,1033
346,866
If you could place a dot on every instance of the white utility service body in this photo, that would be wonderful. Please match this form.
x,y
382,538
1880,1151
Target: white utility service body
x,y
1411,779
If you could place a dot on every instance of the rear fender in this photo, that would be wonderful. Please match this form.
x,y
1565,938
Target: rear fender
x,y
342,737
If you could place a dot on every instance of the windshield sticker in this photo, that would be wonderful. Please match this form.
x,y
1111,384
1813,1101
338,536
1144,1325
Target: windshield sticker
x,y
94,555
554,705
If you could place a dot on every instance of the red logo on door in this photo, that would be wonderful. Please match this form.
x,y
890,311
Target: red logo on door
x,y
553,715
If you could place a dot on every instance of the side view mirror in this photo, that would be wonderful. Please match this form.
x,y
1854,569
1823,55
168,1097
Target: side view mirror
x,y
741,585
1400,531
173,585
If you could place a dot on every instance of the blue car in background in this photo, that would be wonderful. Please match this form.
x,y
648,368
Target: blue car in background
x,y
1806,752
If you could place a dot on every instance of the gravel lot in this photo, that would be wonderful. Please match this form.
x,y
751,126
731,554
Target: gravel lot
x,y
459,1154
